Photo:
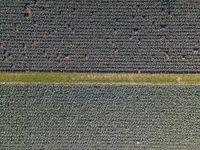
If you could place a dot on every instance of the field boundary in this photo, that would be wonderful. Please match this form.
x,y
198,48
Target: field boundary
x,y
105,78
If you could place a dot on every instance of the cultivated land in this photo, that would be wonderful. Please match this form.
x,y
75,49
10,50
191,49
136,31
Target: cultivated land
x,y
99,117
45,109
75,77
107,36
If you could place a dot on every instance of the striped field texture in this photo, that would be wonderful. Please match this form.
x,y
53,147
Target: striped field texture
x,y
100,35
136,117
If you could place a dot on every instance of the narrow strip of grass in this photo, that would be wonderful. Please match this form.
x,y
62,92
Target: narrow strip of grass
x,y
73,77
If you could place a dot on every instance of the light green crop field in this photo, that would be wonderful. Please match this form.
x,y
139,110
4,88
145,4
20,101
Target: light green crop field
x,y
77,77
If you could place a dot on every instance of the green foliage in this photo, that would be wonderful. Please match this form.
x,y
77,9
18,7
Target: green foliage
x,y
62,117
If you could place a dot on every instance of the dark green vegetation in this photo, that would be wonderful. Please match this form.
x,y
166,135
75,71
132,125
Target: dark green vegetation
x,y
99,117
100,35
74,77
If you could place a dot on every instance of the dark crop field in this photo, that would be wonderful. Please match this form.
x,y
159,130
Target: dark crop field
x,y
100,35
61,117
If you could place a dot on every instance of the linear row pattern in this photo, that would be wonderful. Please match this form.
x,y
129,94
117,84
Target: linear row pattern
x,y
100,35
60,117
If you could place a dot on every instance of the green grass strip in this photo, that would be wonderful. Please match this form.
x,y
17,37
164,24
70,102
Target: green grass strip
x,y
74,77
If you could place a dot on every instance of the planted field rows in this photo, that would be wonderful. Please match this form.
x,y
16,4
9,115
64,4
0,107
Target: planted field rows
x,y
99,117
109,36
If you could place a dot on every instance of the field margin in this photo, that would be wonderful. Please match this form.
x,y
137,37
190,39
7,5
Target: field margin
x,y
107,78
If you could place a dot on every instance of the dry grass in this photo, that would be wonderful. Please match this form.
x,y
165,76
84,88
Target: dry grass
x,y
75,77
